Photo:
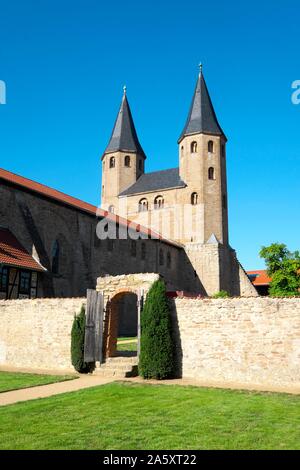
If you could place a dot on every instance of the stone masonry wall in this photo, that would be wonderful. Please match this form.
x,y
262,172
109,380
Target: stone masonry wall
x,y
37,333
245,340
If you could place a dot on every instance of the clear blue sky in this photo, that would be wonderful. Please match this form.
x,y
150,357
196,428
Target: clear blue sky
x,y
65,62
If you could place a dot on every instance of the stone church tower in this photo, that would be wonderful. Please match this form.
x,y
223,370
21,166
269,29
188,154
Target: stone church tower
x,y
202,163
187,204
123,161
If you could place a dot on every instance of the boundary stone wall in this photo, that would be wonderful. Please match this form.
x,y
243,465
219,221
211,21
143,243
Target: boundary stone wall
x,y
37,333
246,340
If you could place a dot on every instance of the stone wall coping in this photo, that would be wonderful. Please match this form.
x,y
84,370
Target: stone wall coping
x,y
41,299
233,299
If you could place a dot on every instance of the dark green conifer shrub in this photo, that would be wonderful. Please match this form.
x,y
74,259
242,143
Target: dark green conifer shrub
x,y
156,355
77,343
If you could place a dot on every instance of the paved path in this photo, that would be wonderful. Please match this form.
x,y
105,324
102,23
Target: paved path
x,y
43,391
87,381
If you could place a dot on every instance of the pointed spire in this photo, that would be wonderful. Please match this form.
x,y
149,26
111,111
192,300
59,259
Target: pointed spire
x,y
124,136
202,117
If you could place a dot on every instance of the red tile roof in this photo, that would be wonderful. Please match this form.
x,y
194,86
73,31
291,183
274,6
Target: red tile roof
x,y
262,279
12,253
50,193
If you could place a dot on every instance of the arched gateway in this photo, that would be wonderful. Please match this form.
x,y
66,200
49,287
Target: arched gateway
x,y
114,310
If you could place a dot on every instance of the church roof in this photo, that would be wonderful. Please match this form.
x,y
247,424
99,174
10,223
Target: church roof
x,y
155,181
124,136
202,117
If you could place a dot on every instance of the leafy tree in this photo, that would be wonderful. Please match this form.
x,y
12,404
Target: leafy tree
x,y
223,294
283,267
77,343
156,357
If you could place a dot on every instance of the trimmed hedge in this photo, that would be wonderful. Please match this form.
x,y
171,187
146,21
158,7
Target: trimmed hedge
x,y
156,356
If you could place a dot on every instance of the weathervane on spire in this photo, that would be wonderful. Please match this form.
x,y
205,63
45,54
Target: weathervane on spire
x,y
124,89
200,67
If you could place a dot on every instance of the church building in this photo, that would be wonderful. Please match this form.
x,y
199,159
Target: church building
x,y
175,221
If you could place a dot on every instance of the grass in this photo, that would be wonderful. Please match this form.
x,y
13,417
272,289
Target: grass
x,y
127,346
14,381
133,416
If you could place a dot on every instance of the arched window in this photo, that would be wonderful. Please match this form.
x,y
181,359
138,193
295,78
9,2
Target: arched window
x,y
112,162
159,202
161,257
143,205
55,257
143,253
127,161
194,147
211,173
111,209
133,248
169,260
194,199
210,146
110,244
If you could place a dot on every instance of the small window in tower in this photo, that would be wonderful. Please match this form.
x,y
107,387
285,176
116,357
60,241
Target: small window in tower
x,y
111,209
223,150
161,257
143,205
194,147
127,161
133,248
211,173
224,202
181,151
169,260
210,146
143,253
194,199
112,162
159,202
140,165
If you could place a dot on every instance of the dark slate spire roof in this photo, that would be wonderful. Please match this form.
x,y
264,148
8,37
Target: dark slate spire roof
x,y
124,136
156,181
202,117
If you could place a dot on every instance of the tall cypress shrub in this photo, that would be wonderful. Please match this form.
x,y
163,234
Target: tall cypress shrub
x,y
77,343
156,355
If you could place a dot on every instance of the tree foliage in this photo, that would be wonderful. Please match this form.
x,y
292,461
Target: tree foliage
x,y
283,266
222,294
156,356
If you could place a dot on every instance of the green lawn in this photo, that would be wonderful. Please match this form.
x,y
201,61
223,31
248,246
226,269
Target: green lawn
x,y
132,346
14,381
132,416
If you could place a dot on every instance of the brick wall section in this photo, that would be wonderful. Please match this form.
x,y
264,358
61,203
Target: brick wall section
x,y
246,340
37,333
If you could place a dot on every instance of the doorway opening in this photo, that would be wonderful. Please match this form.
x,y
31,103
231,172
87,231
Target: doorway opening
x,y
121,326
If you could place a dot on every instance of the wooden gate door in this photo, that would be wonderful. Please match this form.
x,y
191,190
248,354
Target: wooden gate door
x,y
94,327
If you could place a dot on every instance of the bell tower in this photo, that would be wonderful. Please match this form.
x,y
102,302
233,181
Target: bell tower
x,y
202,164
123,161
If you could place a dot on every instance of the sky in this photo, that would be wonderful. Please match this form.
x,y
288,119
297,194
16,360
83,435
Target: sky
x,y
65,63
